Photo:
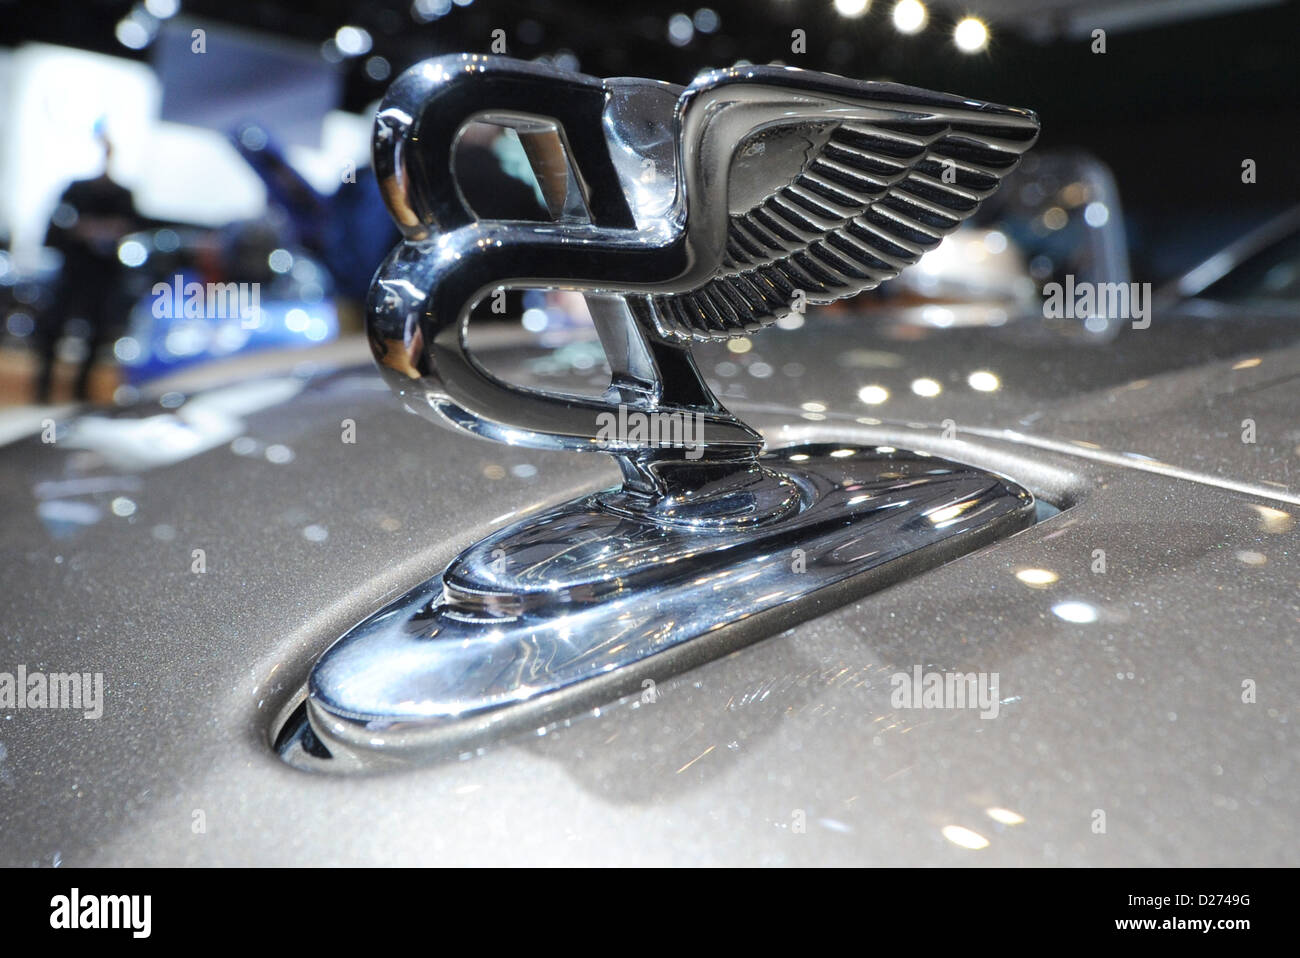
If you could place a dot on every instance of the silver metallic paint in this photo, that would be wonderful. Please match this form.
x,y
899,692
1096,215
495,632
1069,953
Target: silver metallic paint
x,y
715,770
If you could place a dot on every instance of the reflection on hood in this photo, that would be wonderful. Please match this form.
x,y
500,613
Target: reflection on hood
x,y
202,423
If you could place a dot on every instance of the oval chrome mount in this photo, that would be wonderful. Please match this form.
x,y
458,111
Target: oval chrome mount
x,y
685,215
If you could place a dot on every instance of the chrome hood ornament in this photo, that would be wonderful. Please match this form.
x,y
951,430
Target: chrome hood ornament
x,y
684,215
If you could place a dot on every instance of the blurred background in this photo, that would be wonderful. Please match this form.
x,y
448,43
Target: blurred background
x,y
153,148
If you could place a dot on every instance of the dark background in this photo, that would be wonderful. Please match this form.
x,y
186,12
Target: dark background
x,y
1175,104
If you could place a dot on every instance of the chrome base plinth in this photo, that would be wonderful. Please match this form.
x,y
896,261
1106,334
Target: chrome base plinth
x,y
581,604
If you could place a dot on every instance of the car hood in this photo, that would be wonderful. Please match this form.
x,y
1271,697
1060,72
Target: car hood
x,y
1143,715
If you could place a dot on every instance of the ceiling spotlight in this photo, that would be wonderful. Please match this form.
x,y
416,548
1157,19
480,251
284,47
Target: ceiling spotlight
x,y
137,29
132,33
706,20
353,41
681,30
423,11
970,35
851,8
910,16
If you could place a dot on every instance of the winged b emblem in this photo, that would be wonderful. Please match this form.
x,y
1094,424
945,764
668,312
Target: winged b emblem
x,y
683,215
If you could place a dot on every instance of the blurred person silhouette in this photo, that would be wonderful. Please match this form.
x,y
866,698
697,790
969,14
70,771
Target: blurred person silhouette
x,y
91,217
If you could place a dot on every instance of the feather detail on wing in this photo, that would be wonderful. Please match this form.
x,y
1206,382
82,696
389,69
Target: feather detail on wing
x,y
873,196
